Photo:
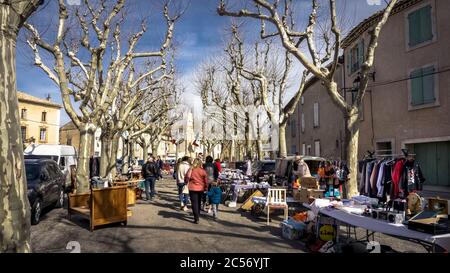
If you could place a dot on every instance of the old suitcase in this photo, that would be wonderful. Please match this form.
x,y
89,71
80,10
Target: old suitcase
x,y
428,221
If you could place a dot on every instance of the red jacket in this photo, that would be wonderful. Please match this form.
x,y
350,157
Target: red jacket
x,y
396,177
197,180
219,167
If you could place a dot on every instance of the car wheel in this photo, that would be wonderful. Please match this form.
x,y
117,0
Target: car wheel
x,y
60,201
36,211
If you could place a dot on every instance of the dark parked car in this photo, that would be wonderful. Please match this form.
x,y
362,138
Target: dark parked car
x,y
239,165
262,170
119,164
45,182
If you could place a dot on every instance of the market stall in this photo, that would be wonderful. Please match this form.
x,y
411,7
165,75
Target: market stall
x,y
401,231
319,226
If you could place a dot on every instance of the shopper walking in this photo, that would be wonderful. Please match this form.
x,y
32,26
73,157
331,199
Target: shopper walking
x,y
249,166
160,165
213,174
196,179
182,169
218,165
215,196
149,172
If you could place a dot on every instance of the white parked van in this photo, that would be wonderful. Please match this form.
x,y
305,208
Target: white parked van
x,y
64,155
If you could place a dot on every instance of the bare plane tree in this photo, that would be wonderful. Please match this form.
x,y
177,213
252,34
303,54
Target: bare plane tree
x,y
322,66
84,77
133,101
14,205
272,77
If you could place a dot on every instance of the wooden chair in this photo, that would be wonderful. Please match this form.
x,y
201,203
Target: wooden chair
x,y
276,198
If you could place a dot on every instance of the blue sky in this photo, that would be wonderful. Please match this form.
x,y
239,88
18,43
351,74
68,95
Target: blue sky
x,y
198,34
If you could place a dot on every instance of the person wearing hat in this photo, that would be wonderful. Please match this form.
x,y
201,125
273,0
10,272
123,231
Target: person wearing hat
x,y
300,167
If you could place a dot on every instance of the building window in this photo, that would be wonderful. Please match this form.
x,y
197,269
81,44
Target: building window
x,y
303,149
308,150
43,134
420,26
293,128
355,57
384,148
293,149
23,113
69,141
303,123
316,114
23,130
44,117
423,86
317,148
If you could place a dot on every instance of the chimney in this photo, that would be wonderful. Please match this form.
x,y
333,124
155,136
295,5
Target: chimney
x,y
49,97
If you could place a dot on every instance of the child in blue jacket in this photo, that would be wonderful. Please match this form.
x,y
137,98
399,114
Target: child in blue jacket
x,y
215,196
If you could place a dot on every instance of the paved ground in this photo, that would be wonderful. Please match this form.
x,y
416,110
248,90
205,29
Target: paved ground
x,y
159,226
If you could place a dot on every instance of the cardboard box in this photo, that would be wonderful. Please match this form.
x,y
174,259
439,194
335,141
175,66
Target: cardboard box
x,y
305,194
309,183
248,204
328,229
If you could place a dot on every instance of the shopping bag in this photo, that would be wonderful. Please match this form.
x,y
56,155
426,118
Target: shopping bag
x,y
185,189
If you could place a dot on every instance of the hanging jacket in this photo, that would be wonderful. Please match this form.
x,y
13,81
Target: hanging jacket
x,y
369,170
380,184
413,179
397,173
362,178
373,180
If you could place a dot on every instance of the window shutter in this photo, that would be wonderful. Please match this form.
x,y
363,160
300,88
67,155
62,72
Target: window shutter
x,y
317,148
416,87
426,28
303,123
360,53
316,114
414,28
428,85
349,61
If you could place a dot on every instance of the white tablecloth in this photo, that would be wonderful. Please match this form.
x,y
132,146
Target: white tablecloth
x,y
399,230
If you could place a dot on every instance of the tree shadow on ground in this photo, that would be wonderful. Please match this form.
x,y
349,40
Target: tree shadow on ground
x,y
274,241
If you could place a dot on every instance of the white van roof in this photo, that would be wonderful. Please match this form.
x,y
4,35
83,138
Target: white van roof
x,y
50,149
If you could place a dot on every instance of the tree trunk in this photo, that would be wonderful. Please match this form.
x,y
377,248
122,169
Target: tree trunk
x,y
86,140
126,156
154,145
282,140
248,143
14,206
105,157
113,158
144,149
351,146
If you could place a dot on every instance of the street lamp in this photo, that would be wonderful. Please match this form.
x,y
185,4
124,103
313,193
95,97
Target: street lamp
x,y
357,81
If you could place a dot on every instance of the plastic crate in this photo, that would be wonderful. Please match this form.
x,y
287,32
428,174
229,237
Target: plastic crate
x,y
292,230
288,232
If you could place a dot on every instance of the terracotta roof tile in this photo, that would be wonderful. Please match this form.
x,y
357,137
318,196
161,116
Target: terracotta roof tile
x,y
24,97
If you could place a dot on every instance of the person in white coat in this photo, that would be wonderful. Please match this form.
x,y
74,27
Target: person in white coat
x,y
182,170
249,167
